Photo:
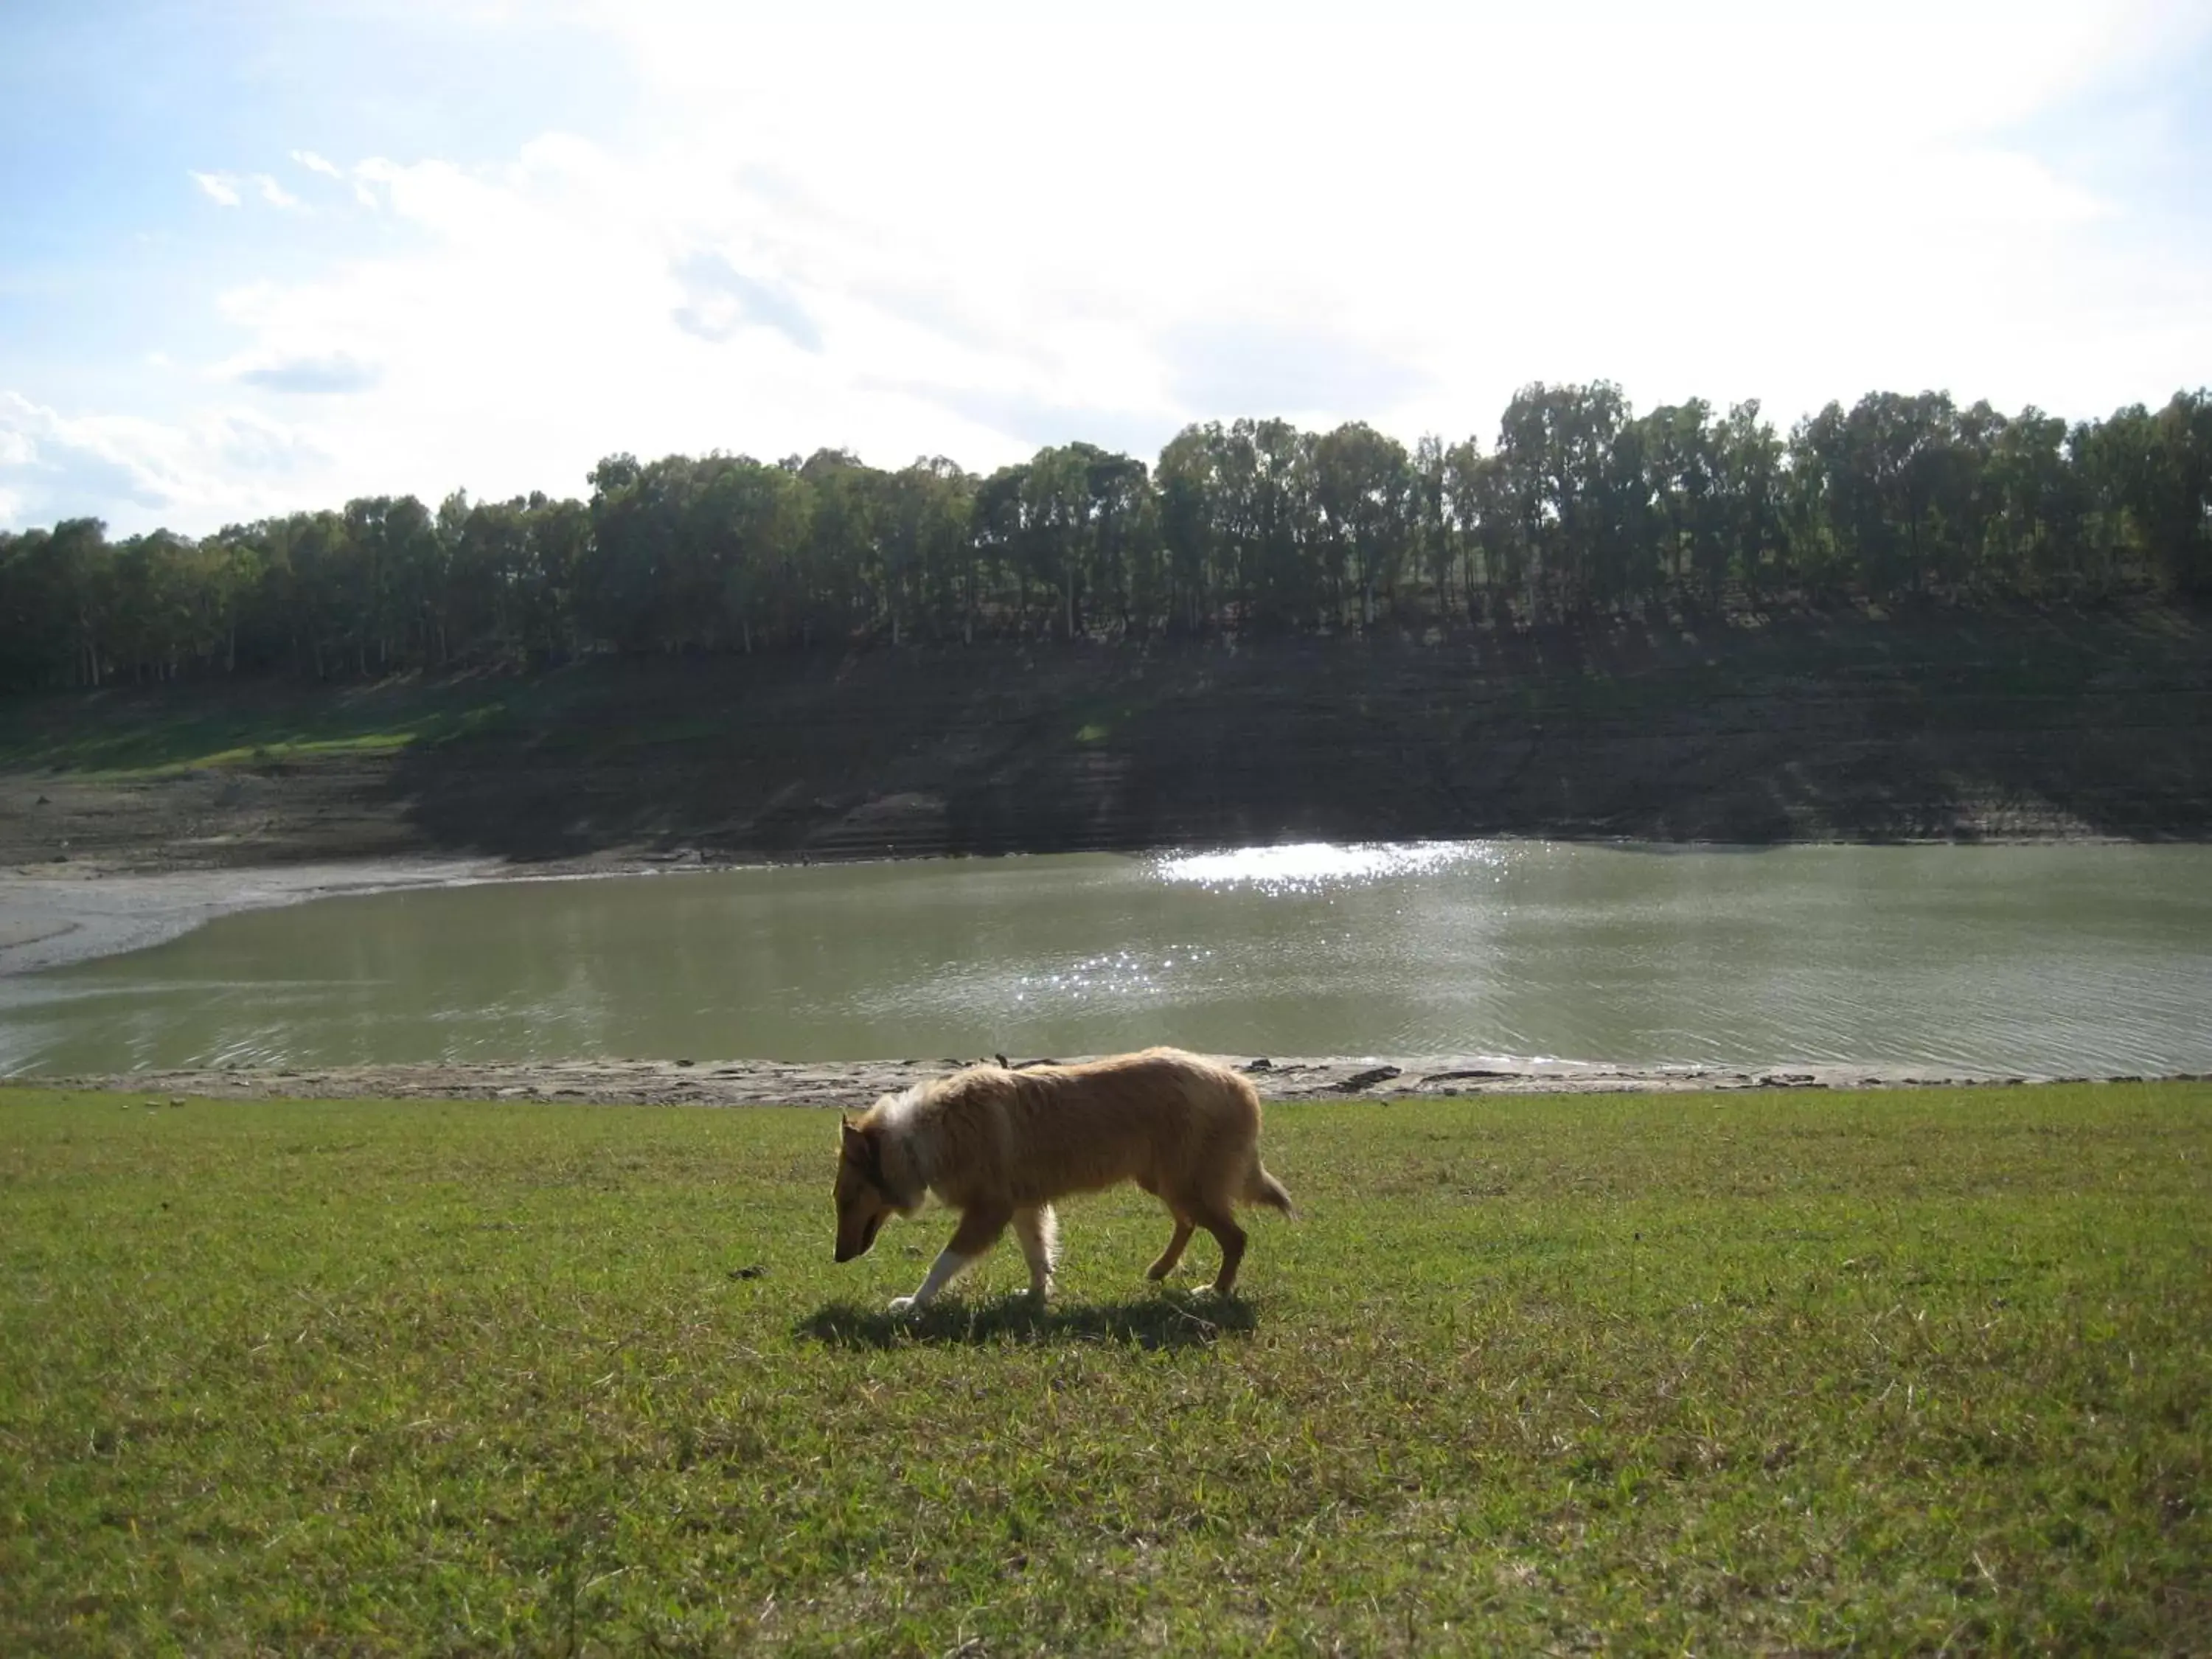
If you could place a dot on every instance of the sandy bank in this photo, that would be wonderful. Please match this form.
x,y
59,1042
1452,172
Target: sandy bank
x,y
70,912
850,1083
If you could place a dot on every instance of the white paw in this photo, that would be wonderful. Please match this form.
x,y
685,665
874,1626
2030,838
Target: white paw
x,y
1203,1293
901,1304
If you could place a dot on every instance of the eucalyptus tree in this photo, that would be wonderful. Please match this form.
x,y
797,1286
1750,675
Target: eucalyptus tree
x,y
54,588
1057,509
1272,462
841,541
1686,519
1482,525
996,528
2034,524
1190,536
1364,488
1555,449
1748,461
750,521
925,546
1125,537
2181,493
1435,533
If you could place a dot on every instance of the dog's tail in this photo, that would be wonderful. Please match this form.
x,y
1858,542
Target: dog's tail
x,y
1261,1187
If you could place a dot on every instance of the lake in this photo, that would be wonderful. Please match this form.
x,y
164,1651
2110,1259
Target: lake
x,y
2043,959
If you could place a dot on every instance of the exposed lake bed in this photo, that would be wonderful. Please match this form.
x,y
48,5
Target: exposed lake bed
x,y
853,1084
55,916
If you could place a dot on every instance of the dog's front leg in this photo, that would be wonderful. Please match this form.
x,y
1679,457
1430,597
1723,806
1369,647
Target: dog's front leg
x,y
1039,1230
978,1230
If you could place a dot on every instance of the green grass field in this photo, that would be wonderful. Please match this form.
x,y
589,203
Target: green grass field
x,y
1920,1370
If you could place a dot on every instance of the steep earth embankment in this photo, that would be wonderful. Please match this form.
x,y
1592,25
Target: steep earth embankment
x,y
2027,726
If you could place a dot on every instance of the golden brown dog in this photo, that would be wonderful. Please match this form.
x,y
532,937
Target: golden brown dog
x,y
1000,1145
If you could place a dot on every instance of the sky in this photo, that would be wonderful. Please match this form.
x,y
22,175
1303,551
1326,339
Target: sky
x,y
257,257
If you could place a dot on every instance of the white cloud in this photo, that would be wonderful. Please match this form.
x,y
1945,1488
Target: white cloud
x,y
547,312
1739,199
217,466
226,189
913,231
221,188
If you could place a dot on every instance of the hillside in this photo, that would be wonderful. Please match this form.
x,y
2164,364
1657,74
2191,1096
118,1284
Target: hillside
x,y
2043,724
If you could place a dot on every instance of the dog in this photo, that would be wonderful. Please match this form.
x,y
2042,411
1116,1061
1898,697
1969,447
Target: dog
x,y
999,1146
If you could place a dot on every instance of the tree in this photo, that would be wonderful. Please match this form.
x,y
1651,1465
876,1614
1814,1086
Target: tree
x,y
2033,531
1748,465
1436,540
1058,511
1581,508
1364,486
1185,493
2181,508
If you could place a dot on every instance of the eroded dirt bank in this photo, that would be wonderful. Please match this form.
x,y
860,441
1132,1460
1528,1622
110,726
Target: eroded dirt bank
x,y
2031,726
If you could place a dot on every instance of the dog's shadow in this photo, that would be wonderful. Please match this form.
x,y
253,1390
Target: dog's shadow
x,y
1170,1319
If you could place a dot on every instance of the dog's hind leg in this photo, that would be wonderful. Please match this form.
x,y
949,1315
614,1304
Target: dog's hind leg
x,y
1039,1230
1173,1253
978,1230
1216,1220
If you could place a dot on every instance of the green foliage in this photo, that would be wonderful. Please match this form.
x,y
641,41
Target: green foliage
x,y
1582,509
1914,1371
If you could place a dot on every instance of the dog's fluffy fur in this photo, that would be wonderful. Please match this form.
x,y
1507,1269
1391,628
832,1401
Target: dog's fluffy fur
x,y
999,1145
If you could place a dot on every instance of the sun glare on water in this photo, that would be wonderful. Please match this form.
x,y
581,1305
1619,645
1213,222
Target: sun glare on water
x,y
1316,866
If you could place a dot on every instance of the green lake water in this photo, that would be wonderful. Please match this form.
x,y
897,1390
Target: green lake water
x,y
2044,959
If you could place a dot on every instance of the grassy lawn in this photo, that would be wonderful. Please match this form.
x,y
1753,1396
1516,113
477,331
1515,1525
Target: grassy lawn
x,y
1902,1371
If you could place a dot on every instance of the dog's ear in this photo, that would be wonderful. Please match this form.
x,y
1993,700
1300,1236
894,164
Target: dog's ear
x,y
863,1150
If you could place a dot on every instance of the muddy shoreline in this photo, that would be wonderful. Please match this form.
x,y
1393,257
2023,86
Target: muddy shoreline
x,y
855,1083
55,916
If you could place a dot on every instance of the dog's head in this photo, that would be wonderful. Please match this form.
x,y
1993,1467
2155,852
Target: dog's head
x,y
863,1202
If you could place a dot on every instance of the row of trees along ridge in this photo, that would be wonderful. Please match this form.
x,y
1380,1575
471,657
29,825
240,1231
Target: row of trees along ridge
x,y
1581,509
